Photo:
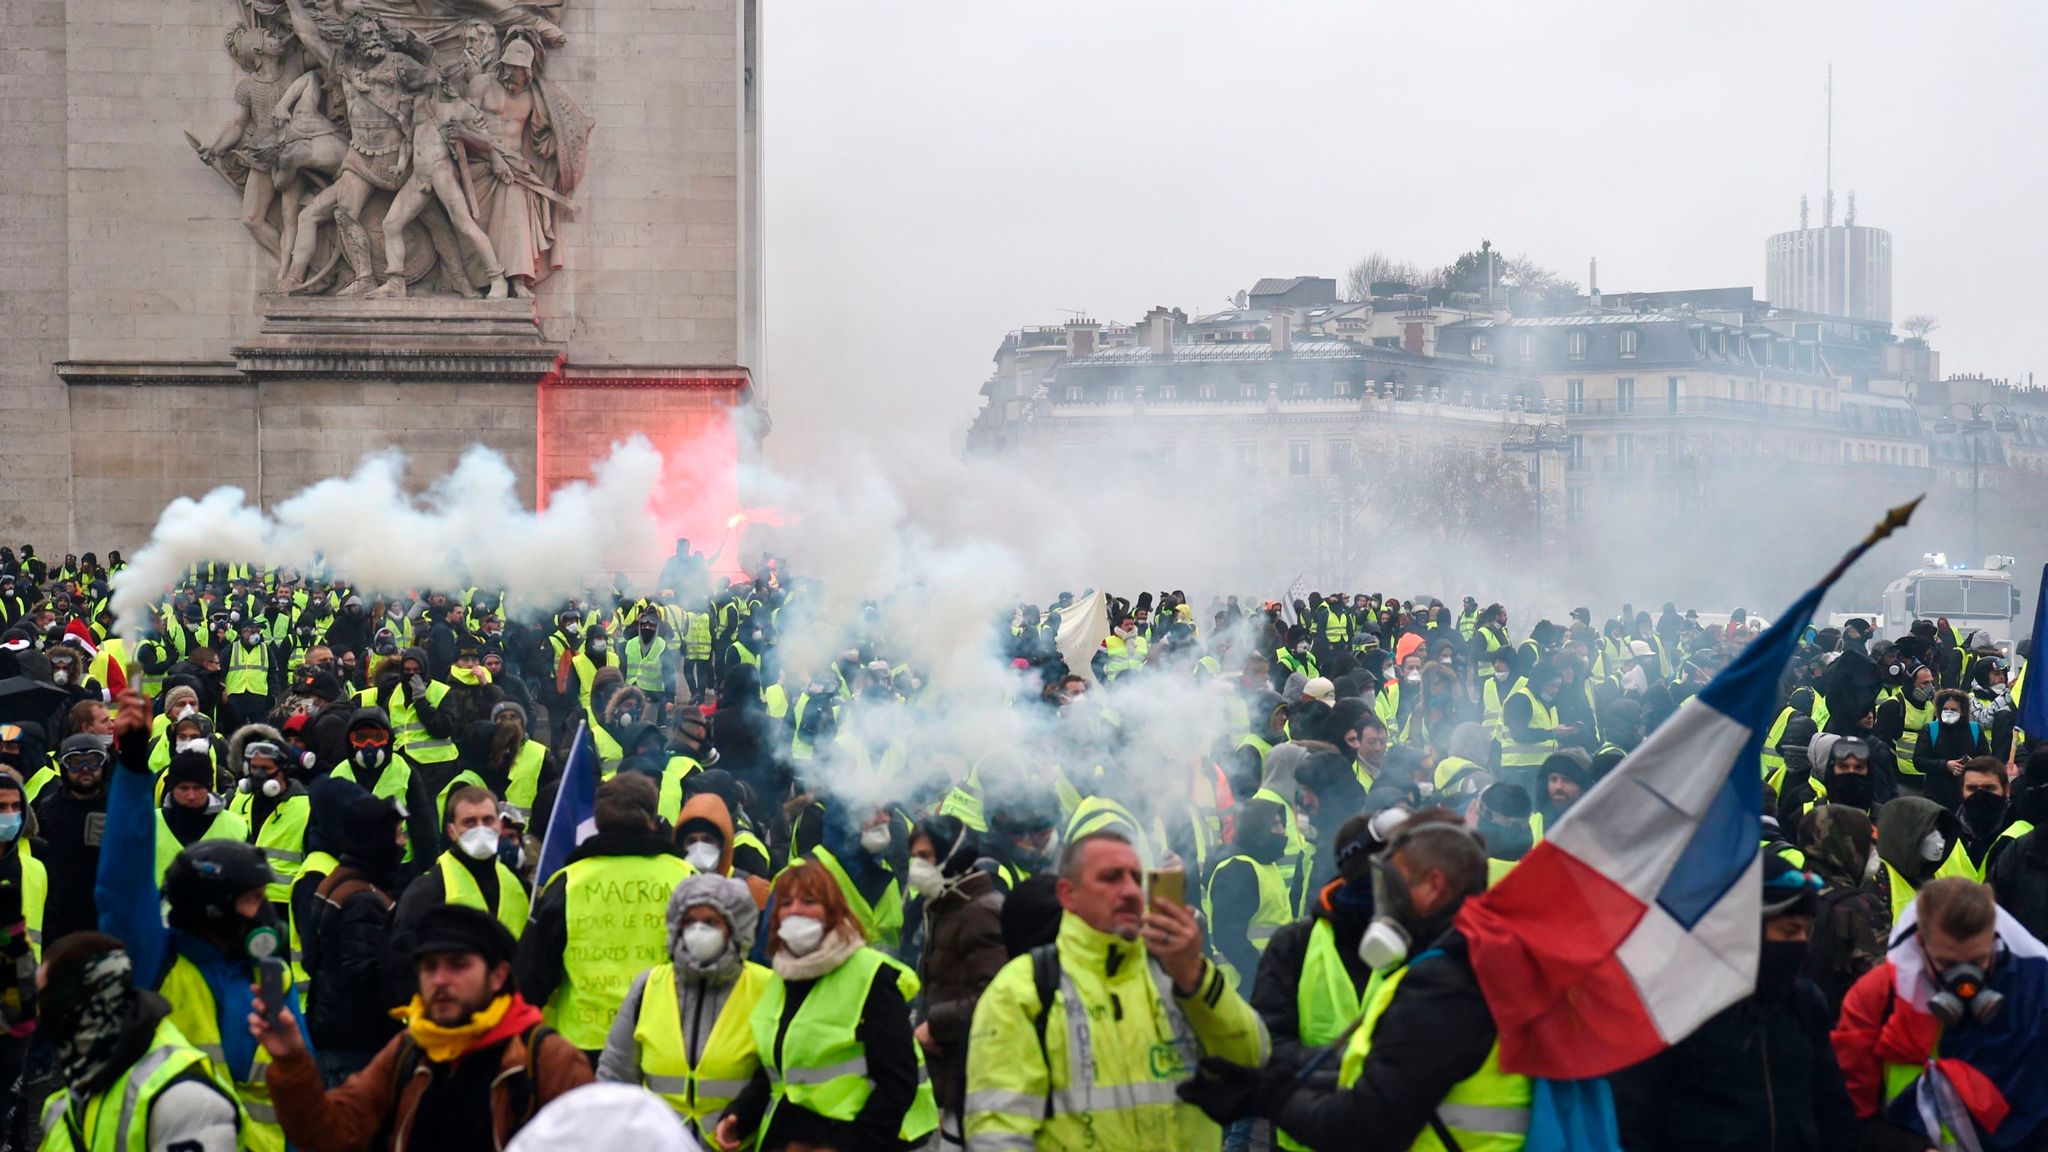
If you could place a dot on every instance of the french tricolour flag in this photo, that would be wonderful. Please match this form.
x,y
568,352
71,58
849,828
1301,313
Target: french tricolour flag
x,y
1636,919
574,816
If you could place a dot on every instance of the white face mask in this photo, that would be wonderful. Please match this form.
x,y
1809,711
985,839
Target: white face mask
x,y
703,856
1951,716
479,843
876,839
801,934
1931,847
196,744
184,710
1872,866
926,877
706,942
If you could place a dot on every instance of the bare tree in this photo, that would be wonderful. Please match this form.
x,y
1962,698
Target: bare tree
x,y
1919,326
1378,267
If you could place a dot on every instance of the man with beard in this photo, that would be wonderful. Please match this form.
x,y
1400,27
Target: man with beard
x,y
512,764
1566,777
130,1079
472,1066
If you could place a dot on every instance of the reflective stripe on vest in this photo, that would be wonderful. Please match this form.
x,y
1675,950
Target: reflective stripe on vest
x,y
88,1127
283,841
197,1015
1275,910
819,1063
883,922
615,913
643,664
458,887
1487,1111
727,1057
1542,718
524,780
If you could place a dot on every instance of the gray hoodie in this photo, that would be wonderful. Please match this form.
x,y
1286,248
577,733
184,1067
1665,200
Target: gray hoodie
x,y
701,989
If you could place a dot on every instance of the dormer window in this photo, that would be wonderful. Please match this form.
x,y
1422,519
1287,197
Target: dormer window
x,y
1576,346
1630,339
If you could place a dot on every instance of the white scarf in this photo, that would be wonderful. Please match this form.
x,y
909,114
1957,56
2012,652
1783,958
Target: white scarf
x,y
830,953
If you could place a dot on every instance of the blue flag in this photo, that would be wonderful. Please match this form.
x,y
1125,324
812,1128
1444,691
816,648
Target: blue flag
x,y
574,817
2033,718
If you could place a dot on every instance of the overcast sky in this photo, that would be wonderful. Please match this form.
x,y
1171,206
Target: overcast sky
x,y
939,173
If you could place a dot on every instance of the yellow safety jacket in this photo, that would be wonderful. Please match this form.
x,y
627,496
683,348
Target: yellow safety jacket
x,y
616,919
1917,717
643,664
408,734
226,826
674,774
117,1119
1117,1041
248,670
458,887
1124,655
524,778
1485,1112
883,920
1542,718
282,838
818,1062
197,1016
35,893
1275,911
1325,1001
1297,862
727,1060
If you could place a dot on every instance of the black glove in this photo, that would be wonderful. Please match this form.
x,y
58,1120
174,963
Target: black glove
x,y
1224,1091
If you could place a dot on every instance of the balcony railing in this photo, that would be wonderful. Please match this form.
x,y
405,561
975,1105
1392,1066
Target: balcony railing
x,y
1704,406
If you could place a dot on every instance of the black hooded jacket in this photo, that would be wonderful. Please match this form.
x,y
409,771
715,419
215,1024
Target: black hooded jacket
x,y
1275,994
1760,1074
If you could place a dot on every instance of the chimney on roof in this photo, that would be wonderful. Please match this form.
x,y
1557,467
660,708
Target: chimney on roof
x,y
1593,281
1282,330
1082,335
1158,329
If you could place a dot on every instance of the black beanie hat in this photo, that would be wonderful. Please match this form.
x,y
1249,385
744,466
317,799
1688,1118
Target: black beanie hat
x,y
454,928
189,768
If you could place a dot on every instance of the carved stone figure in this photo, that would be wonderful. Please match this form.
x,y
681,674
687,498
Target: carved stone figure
x,y
442,121
391,138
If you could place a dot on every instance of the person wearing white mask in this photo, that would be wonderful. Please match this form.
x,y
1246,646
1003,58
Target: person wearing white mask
x,y
684,1029
854,846
1950,739
479,869
704,833
963,950
839,1068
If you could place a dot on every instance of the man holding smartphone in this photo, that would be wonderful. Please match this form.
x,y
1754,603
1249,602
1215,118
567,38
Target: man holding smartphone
x,y
1127,999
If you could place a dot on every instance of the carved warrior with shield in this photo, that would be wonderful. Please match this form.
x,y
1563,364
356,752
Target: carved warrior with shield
x,y
428,151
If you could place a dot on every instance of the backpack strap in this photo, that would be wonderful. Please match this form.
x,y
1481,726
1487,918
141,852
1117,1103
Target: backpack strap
x,y
1045,976
524,1091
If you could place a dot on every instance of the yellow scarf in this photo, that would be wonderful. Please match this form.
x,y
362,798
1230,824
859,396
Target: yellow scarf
x,y
471,676
444,1044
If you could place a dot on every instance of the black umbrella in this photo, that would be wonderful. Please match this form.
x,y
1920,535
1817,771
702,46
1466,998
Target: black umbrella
x,y
23,699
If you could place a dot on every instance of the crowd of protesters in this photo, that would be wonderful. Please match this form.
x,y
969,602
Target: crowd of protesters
x,y
271,872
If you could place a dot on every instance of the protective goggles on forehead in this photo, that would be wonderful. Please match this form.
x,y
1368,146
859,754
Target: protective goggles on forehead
x,y
369,738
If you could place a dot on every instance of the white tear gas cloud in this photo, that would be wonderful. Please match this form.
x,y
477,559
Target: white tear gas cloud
x,y
468,527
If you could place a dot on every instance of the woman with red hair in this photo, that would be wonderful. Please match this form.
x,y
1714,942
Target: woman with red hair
x,y
839,1069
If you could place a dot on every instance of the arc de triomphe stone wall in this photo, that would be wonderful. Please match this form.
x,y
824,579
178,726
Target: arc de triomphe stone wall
x,y
198,286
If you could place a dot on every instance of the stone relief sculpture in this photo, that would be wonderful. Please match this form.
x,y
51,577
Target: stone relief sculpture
x,y
396,147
